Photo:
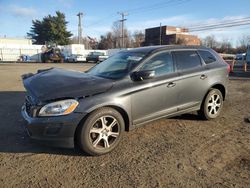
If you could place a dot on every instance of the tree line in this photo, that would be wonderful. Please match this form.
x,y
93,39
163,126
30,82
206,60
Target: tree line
x,y
53,29
225,46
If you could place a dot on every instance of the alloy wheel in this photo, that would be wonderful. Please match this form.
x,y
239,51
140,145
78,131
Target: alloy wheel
x,y
104,132
214,104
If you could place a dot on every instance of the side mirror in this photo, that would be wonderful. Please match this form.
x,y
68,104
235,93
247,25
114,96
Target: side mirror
x,y
142,75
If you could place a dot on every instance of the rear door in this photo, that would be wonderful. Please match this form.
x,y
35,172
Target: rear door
x,y
193,80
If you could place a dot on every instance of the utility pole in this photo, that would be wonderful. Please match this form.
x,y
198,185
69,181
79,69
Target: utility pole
x,y
80,14
123,14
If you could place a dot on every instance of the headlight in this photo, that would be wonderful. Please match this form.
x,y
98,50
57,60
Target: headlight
x,y
59,108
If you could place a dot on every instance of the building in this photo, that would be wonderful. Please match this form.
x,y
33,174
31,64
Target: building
x,y
15,41
12,48
167,35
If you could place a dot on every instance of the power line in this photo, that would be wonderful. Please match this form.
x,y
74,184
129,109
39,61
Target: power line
x,y
100,21
143,9
155,6
216,28
218,22
221,26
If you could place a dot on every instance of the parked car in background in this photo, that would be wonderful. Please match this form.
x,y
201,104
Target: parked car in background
x,y
76,58
96,57
24,58
240,57
91,110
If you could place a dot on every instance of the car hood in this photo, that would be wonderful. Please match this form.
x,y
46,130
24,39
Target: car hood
x,y
58,83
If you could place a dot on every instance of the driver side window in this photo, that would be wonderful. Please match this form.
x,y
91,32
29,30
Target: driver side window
x,y
161,63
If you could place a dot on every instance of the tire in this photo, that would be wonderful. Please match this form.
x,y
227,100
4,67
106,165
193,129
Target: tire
x,y
101,132
212,105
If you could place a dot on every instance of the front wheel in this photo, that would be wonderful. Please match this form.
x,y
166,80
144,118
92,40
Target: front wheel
x,y
101,132
212,105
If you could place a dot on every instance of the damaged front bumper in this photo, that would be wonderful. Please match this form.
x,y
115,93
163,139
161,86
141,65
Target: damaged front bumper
x,y
53,131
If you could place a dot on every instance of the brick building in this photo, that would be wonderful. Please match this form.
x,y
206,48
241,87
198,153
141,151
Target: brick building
x,y
169,35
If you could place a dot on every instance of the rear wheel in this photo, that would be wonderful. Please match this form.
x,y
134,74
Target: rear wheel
x,y
212,105
101,132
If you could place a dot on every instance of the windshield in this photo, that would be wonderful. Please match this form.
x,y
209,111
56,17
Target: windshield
x,y
118,65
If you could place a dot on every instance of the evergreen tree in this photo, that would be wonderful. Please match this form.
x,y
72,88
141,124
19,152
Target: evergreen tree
x,y
51,29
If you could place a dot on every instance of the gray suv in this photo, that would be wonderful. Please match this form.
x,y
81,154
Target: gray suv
x,y
92,109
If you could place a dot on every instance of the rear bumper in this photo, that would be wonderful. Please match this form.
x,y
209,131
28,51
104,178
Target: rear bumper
x,y
53,131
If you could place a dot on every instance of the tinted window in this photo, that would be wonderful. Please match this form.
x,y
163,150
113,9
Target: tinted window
x,y
161,63
187,60
207,56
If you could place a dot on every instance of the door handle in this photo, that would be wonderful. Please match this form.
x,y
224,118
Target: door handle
x,y
171,84
203,77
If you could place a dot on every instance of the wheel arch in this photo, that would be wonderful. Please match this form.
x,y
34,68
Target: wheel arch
x,y
121,110
217,86
124,115
220,87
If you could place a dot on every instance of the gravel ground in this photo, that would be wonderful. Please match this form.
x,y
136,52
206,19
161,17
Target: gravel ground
x,y
178,152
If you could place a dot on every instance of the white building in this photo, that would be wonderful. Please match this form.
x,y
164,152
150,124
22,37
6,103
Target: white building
x,y
15,41
12,48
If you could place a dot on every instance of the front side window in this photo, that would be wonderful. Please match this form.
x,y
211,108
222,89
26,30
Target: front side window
x,y
161,63
207,56
186,60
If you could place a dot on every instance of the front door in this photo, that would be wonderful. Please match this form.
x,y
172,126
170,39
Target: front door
x,y
155,97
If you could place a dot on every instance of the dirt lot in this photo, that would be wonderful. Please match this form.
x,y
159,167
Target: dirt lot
x,y
179,152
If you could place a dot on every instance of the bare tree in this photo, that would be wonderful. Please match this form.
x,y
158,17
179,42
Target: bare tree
x,y
116,33
138,38
107,41
84,41
225,45
210,42
128,39
243,41
112,39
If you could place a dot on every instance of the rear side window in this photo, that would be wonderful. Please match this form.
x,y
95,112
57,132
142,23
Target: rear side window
x,y
186,60
207,56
